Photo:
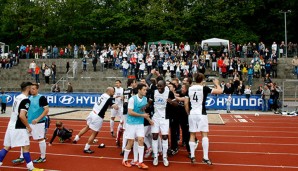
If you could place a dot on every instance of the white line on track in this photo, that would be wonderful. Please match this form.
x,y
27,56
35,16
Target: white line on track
x,y
251,120
24,168
178,162
214,142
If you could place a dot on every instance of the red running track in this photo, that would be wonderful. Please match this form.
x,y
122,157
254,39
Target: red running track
x,y
245,142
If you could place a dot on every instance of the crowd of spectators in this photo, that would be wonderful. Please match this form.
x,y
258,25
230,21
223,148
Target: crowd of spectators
x,y
171,60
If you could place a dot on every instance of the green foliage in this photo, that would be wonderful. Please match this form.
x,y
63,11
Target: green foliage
x,y
60,22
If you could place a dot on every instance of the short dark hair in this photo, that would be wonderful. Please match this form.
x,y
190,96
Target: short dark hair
x,y
118,81
175,87
130,81
36,85
189,80
140,86
199,77
59,123
24,85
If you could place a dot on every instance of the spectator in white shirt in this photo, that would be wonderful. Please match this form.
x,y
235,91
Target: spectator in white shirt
x,y
141,69
32,67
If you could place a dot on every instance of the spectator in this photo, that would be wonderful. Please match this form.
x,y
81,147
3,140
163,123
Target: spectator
x,y
268,67
47,74
43,68
295,65
274,68
214,62
244,71
247,91
141,69
55,88
168,76
250,73
94,62
274,95
228,89
37,71
32,67
3,99
262,64
267,79
84,64
55,52
36,51
228,103
178,70
67,66
265,98
54,71
259,90
257,70
69,88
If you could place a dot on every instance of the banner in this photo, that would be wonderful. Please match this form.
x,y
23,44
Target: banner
x,y
64,99
239,102
213,102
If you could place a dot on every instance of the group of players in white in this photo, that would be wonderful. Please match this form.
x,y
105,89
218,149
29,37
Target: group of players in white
x,y
141,126
144,119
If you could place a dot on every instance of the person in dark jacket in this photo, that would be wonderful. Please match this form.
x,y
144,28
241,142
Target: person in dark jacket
x,y
63,133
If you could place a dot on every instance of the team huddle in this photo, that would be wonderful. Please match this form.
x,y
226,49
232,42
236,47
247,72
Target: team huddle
x,y
150,113
146,111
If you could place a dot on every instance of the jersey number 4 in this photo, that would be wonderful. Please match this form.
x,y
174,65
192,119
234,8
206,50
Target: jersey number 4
x,y
195,97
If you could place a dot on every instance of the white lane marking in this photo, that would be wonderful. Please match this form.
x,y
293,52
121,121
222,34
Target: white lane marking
x,y
242,120
24,168
179,162
237,116
251,120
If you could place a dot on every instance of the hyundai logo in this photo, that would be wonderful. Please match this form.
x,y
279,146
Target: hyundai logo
x,y
209,101
66,99
9,98
160,100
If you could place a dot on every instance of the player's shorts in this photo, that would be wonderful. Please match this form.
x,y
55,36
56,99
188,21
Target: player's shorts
x,y
16,138
94,121
38,131
134,131
118,112
198,123
160,125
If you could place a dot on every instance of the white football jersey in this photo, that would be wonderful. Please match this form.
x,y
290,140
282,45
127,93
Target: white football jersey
x,y
160,103
118,92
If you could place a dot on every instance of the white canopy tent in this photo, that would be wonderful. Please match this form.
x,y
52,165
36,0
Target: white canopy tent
x,y
216,42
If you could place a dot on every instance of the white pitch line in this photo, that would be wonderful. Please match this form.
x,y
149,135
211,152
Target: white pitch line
x,y
178,162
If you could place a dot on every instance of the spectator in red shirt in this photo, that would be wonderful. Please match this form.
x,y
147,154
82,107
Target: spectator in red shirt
x,y
61,52
36,50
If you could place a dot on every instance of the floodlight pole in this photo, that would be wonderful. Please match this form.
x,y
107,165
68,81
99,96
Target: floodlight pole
x,y
285,19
